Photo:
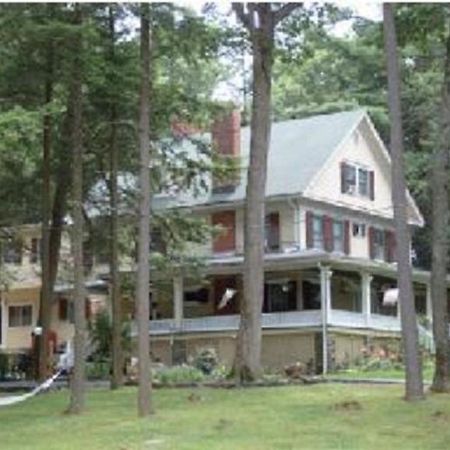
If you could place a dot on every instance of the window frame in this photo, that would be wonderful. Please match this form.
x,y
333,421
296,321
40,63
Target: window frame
x,y
355,180
317,219
341,242
379,244
20,323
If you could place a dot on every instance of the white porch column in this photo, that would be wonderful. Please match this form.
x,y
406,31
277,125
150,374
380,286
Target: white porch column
x,y
429,306
366,297
325,304
178,294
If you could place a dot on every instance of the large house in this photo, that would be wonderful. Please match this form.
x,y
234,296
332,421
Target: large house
x,y
329,249
329,253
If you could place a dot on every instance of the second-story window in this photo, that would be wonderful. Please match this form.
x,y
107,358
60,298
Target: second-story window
x,y
225,241
11,250
357,180
20,316
272,232
338,236
36,250
317,235
378,244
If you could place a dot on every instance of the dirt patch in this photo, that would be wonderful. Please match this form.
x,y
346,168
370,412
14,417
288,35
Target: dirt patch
x,y
348,405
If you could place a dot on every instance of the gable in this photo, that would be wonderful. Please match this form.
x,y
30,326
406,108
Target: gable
x,y
362,148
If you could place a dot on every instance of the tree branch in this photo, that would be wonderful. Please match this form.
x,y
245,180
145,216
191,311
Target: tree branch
x,y
284,11
238,8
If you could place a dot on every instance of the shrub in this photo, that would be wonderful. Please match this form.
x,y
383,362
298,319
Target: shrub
x,y
178,374
206,360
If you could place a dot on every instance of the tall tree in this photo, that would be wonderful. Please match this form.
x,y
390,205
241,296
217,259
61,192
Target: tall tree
x,y
143,269
77,400
46,288
440,247
260,20
413,365
117,356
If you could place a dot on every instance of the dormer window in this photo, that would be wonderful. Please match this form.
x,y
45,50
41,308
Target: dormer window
x,y
357,180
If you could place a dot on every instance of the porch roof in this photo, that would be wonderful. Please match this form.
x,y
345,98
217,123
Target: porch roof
x,y
312,258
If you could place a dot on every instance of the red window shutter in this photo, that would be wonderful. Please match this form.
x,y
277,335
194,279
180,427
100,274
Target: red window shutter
x,y
372,185
343,169
309,229
389,246
327,228
225,241
371,243
346,237
273,231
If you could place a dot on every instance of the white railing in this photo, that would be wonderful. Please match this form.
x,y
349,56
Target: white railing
x,y
351,319
291,319
229,323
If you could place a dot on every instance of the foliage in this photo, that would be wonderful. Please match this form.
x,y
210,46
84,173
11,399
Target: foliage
x,y
178,374
100,331
206,360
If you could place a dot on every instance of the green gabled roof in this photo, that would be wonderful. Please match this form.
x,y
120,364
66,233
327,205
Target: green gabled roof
x,y
298,150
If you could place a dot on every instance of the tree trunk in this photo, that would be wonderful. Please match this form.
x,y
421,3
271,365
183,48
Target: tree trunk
x,y
439,186
248,350
117,356
77,386
413,365
46,289
143,269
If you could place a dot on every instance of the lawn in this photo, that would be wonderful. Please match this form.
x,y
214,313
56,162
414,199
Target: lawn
x,y
295,417
389,374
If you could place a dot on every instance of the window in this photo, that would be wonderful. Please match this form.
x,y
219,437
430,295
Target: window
x,y
20,316
198,295
272,232
317,235
225,239
12,251
357,180
363,182
348,179
338,236
359,229
378,243
280,296
36,250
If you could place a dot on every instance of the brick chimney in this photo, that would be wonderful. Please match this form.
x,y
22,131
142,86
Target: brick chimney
x,y
226,133
226,140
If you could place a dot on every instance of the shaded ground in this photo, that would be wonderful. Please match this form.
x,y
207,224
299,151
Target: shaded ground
x,y
325,416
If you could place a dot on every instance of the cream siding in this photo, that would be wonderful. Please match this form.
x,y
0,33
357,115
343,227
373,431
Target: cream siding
x,y
362,148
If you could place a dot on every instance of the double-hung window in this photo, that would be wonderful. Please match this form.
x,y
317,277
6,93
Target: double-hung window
x,y
357,180
20,316
338,236
317,227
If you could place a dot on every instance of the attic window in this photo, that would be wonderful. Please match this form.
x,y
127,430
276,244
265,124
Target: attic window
x,y
357,180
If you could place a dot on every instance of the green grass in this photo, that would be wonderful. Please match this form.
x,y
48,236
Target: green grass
x,y
390,374
295,417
